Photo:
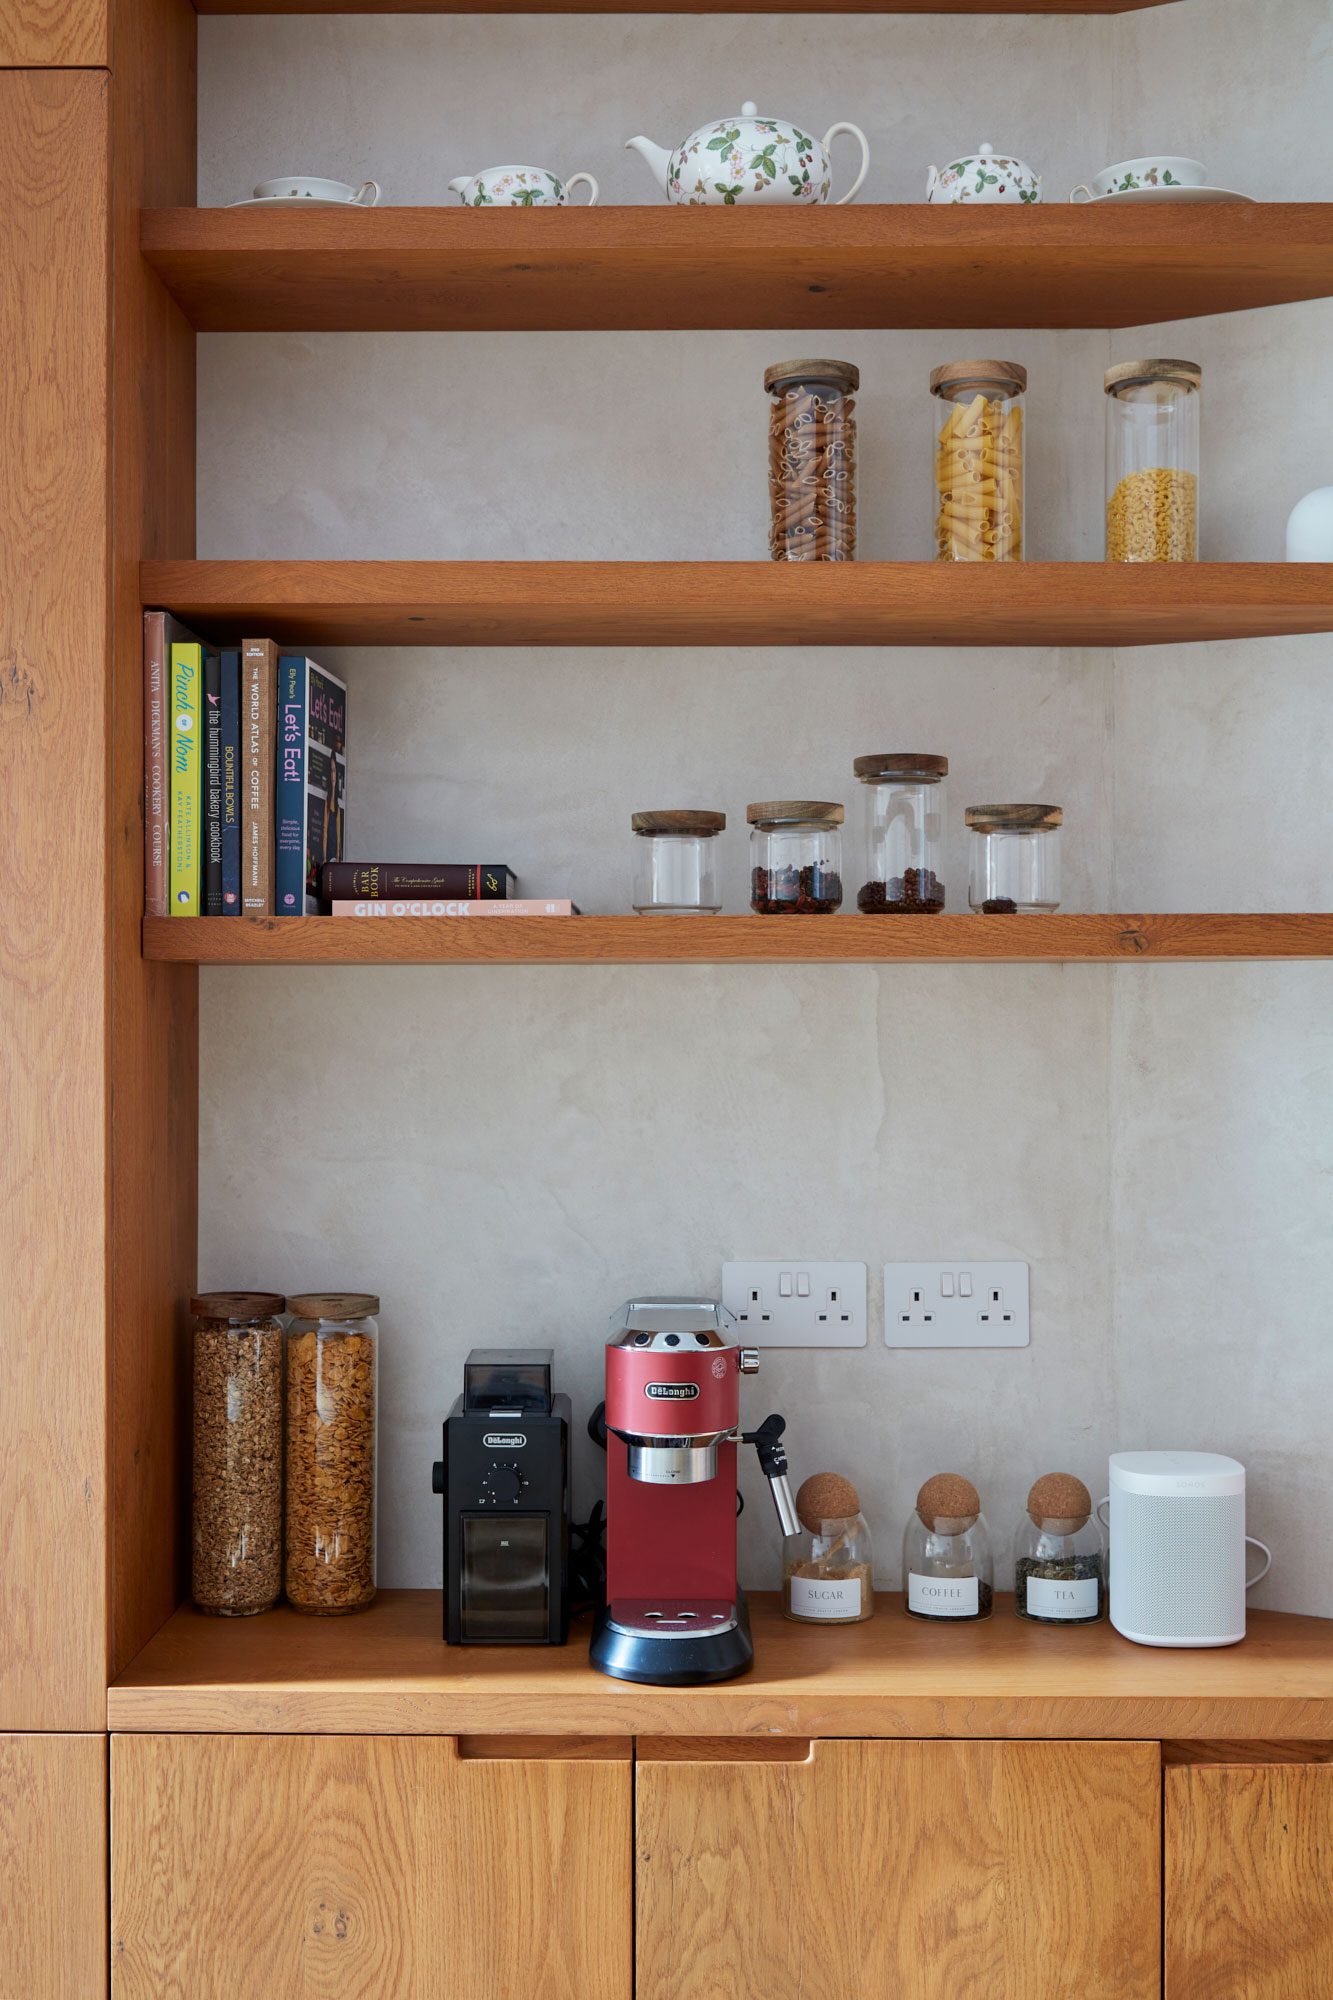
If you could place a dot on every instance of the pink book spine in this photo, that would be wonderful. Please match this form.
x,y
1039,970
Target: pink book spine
x,y
426,906
155,833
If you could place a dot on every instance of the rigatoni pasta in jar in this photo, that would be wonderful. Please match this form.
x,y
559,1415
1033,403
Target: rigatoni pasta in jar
x,y
1152,461
977,422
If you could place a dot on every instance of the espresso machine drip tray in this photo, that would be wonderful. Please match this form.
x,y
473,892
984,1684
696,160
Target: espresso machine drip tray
x,y
673,1641
671,1618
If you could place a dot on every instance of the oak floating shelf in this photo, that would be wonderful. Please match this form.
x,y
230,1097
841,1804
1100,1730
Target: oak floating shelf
x,y
673,7
631,940
589,269
741,604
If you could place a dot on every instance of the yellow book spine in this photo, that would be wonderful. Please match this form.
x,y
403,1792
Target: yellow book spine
x,y
187,673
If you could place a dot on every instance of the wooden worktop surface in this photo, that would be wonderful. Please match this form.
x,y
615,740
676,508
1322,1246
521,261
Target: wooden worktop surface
x,y
388,1671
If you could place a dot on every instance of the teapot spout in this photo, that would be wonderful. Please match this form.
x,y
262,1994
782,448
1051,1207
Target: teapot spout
x,y
657,157
457,187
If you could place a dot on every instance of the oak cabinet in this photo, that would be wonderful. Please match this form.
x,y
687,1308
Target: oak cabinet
x,y
922,1870
366,1868
52,1867
1249,1882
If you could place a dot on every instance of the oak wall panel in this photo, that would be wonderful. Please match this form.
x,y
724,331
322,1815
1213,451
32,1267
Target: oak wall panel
x,y
53,1914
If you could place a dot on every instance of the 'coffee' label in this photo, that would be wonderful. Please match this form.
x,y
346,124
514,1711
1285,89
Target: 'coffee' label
x,y
826,1597
1074,1599
943,1596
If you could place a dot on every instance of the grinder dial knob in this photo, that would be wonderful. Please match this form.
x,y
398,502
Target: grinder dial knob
x,y
503,1484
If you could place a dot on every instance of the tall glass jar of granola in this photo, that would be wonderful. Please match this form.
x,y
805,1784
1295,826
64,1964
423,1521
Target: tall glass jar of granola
x,y
236,1516
332,1431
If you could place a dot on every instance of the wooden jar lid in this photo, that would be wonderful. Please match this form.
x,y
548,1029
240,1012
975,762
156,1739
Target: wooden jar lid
x,y
1009,377
901,764
826,1496
780,812
1014,819
334,1305
1126,374
237,1305
686,820
837,374
949,1504
1060,1503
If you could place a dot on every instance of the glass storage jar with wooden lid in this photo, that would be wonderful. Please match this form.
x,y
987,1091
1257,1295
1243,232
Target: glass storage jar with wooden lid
x,y
902,817
795,857
812,460
1014,859
675,862
1152,461
332,1433
977,431
236,1513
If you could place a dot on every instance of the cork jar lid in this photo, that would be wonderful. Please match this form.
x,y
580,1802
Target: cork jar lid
x,y
837,374
1133,374
685,819
1059,1503
792,812
1014,819
826,1496
949,1504
922,764
1006,378
237,1305
334,1305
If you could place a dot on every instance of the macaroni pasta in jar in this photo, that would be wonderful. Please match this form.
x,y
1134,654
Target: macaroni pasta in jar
x,y
1152,461
977,425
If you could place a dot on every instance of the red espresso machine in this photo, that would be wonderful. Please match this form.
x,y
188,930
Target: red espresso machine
x,y
675,1615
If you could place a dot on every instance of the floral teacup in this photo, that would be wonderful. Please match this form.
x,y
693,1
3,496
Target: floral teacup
x,y
518,187
1159,170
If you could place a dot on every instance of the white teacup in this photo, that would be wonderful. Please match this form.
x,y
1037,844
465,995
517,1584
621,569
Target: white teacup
x,y
310,188
1158,170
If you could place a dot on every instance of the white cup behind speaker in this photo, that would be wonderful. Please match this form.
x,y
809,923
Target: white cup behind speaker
x,y
1178,1548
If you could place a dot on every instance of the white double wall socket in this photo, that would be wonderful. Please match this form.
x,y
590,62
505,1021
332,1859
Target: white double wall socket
x,y
794,1303
956,1304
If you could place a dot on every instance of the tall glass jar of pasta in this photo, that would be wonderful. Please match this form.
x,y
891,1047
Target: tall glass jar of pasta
x,y
977,427
812,460
1152,461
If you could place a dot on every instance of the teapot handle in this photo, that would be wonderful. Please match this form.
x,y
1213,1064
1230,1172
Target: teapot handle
x,y
1082,188
856,133
573,182
356,201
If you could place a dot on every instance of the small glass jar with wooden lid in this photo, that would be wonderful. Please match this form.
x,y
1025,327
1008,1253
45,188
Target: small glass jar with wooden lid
x,y
795,857
1152,461
332,1433
236,1515
977,431
827,1569
675,862
812,460
1014,859
902,818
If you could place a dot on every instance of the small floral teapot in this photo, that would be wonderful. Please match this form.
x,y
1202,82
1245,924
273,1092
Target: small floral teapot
x,y
519,187
984,176
748,159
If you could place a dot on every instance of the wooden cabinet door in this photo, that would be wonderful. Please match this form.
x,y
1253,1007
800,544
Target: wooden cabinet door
x,y
1249,1882
53,1867
912,1871
366,1868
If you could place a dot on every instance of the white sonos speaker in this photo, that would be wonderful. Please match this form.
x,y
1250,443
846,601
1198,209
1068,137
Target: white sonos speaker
x,y
1178,1548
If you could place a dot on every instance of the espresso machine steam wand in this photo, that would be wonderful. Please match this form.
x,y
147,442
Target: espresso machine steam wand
x,y
767,1441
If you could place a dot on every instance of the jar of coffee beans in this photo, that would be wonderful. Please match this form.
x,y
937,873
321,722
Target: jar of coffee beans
x,y
236,1522
812,460
332,1425
948,1570
1059,1555
902,832
795,857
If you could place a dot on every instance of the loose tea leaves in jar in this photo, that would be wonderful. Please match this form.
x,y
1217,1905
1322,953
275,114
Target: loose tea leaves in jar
x,y
331,1433
236,1524
1059,1556
812,460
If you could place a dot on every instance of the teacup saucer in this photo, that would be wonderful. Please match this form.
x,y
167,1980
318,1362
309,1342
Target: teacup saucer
x,y
292,201
1167,194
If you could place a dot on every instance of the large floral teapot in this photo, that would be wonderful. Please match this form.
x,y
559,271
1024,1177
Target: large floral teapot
x,y
749,158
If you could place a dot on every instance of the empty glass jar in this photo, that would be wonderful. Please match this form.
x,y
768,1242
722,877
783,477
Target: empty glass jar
x,y
1013,863
795,857
236,1553
812,460
675,863
1059,1555
902,824
948,1571
977,428
1152,461
332,1430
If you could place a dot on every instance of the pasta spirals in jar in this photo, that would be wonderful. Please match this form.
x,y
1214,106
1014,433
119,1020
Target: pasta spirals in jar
x,y
812,460
977,424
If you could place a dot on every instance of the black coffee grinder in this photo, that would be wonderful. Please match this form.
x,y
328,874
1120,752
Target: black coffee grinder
x,y
505,1477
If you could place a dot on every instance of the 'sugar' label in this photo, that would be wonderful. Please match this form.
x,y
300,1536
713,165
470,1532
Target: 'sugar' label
x,y
826,1597
943,1596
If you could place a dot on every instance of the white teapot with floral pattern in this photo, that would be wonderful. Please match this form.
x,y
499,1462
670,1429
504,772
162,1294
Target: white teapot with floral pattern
x,y
519,187
746,159
984,176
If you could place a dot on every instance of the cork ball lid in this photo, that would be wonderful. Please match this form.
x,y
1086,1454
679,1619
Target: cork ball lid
x,y
948,1504
826,1496
1059,1503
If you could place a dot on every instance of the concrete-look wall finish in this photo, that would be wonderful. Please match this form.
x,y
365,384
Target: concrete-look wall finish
x,y
506,1154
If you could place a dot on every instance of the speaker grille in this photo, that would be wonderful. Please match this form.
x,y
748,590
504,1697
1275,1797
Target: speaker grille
x,y
1178,1565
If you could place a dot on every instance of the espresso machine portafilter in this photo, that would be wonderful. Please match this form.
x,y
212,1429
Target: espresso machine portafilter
x,y
675,1614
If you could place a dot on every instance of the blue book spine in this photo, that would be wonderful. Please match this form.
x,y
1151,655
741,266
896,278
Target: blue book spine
x,y
289,812
231,782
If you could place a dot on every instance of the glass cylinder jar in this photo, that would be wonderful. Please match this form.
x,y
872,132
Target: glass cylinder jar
x,y
812,460
1152,461
675,863
1059,1555
948,1571
977,428
1013,862
795,857
827,1568
332,1432
902,821
236,1523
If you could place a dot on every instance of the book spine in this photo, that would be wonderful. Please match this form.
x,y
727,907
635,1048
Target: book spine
x,y
259,687
289,788
212,886
231,788
186,673
325,776
474,881
424,906
155,779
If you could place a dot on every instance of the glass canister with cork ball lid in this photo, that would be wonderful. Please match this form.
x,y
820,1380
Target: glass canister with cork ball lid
x,y
1059,1555
977,429
675,863
332,1431
1013,862
1152,461
812,460
827,1574
795,857
902,820
948,1571
236,1515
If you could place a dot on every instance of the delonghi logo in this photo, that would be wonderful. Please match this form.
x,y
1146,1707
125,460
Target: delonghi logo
x,y
504,1440
671,1392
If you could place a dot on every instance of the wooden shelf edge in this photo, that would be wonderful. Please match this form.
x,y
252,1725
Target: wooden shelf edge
x,y
838,940
1073,8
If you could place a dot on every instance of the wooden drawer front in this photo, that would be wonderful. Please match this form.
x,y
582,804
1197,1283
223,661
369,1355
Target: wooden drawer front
x,y
365,1868
920,1871
1249,1882
53,1867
